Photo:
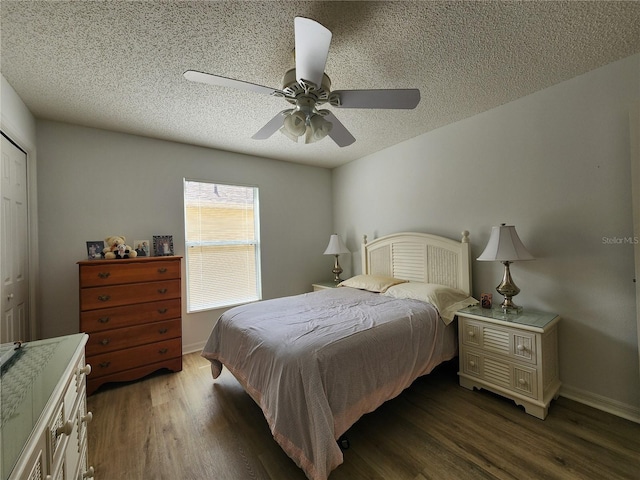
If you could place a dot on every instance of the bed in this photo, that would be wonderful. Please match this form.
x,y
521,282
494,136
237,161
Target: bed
x,y
316,362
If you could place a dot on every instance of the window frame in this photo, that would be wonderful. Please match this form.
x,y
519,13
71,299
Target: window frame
x,y
256,243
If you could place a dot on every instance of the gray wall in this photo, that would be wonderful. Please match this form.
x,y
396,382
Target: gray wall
x,y
555,164
94,183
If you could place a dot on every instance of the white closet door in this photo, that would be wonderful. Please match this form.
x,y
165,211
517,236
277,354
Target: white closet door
x,y
14,244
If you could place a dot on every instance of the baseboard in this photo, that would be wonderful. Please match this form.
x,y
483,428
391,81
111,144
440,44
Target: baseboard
x,y
605,404
194,347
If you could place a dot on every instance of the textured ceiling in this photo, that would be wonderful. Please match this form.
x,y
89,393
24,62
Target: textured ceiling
x,y
118,65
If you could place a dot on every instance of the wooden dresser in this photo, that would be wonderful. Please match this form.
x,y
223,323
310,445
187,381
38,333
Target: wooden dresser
x,y
131,309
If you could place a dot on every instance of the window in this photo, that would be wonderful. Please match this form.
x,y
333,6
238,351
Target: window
x,y
222,238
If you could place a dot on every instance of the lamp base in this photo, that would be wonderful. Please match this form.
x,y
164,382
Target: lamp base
x,y
511,309
337,270
508,289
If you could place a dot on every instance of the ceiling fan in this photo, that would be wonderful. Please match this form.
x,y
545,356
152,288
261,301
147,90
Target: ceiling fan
x,y
307,86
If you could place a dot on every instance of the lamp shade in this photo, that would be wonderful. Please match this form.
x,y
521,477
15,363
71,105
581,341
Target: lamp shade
x,y
336,246
505,246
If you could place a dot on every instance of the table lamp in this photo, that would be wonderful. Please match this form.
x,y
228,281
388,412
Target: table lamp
x,y
336,247
505,246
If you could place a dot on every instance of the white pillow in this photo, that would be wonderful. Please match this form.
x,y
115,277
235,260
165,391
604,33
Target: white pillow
x,y
372,283
446,299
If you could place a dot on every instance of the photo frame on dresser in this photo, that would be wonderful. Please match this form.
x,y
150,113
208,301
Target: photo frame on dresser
x,y
142,248
94,249
162,245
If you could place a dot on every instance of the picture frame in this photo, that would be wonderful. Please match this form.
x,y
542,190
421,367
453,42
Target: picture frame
x,y
142,248
94,249
162,245
486,300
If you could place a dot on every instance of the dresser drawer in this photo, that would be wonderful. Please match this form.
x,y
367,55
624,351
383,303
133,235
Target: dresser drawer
x,y
516,344
119,338
497,371
119,273
120,360
117,317
113,296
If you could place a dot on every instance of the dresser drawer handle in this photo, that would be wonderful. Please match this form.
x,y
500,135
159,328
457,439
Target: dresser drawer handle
x,y
104,298
86,370
162,351
103,319
105,341
471,333
520,348
104,274
66,428
522,381
472,363
87,418
162,290
162,270
163,310
163,331
105,364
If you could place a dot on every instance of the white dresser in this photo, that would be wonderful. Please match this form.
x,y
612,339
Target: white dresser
x,y
514,355
44,411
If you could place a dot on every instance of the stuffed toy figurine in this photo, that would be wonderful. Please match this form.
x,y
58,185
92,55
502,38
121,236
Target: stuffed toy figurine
x,y
117,248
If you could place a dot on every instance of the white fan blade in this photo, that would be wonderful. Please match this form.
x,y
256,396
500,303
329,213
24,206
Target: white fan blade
x,y
272,126
312,49
401,99
338,132
210,79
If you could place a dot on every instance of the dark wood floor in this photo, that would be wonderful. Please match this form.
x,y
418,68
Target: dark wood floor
x,y
177,426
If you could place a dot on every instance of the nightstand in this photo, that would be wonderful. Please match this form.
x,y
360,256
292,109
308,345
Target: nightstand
x,y
324,285
513,355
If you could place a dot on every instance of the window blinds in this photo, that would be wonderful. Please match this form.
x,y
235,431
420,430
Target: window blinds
x,y
222,245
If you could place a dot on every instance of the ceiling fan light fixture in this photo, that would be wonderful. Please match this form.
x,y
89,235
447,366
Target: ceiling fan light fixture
x,y
320,127
290,136
295,123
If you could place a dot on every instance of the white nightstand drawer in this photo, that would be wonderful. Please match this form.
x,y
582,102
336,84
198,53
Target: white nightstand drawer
x,y
500,372
517,344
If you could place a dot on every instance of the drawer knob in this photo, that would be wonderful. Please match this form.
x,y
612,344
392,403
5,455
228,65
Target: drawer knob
x,y
105,341
105,364
162,310
103,319
162,351
162,290
104,274
89,473
87,418
522,381
162,331
162,270
472,363
520,348
104,298
66,428
86,370
471,333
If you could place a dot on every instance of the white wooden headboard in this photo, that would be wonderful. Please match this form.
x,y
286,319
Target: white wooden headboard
x,y
420,257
